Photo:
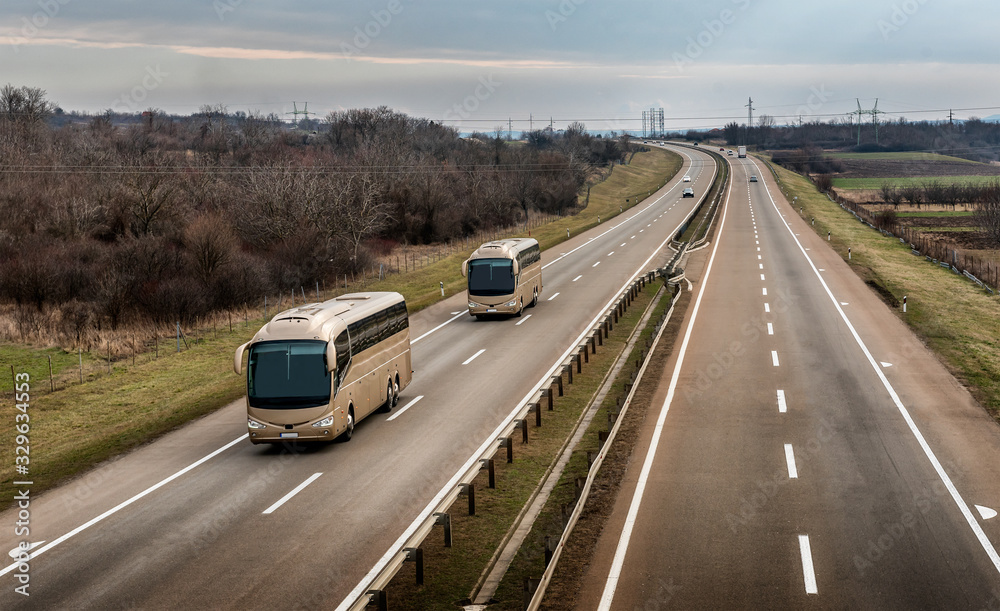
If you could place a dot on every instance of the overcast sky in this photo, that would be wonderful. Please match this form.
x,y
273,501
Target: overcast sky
x,y
477,63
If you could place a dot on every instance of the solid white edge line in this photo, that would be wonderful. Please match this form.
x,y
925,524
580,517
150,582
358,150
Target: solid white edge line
x,y
366,581
935,463
125,504
623,541
793,473
294,491
400,411
808,572
782,405
473,357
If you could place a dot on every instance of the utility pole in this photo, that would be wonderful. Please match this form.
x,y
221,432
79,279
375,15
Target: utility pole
x,y
510,129
859,113
746,136
951,118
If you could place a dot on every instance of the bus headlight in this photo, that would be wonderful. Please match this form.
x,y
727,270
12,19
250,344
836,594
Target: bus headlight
x,y
328,421
473,304
254,424
511,303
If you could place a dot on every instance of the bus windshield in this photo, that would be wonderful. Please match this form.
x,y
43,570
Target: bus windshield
x,y
491,277
288,375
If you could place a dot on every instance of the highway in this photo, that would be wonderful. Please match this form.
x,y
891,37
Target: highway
x,y
804,448
202,519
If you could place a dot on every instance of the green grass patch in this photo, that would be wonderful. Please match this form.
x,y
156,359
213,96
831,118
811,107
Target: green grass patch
x,y
955,317
910,181
900,156
475,538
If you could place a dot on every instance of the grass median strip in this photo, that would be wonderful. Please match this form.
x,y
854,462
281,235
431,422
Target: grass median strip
x,y
451,574
955,317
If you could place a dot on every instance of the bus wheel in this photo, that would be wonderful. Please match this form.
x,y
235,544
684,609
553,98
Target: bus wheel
x,y
387,406
349,432
534,298
395,392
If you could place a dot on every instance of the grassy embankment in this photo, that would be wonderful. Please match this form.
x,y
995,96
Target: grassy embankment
x,y
80,425
901,156
956,318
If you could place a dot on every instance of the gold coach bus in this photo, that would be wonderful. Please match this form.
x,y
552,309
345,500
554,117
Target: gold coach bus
x,y
504,276
315,371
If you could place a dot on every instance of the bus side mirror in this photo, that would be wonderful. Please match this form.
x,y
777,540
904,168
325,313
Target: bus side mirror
x,y
238,360
465,268
515,268
331,356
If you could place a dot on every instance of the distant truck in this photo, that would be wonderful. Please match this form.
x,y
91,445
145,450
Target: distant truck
x,y
741,151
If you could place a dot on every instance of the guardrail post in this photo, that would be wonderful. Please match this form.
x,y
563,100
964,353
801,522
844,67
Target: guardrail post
x,y
470,490
559,381
530,586
416,555
505,442
586,357
569,371
602,436
593,344
523,423
444,519
549,392
538,413
377,598
548,549
491,472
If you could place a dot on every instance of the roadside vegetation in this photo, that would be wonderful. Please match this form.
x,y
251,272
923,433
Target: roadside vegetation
x,y
954,316
126,403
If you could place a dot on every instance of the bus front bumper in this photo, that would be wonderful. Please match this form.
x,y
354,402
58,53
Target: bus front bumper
x,y
479,309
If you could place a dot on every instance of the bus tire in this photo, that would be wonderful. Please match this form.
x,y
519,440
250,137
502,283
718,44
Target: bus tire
x,y
534,298
349,432
387,406
395,392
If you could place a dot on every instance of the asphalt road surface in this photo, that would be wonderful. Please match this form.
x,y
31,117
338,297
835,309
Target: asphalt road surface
x,y
810,451
202,519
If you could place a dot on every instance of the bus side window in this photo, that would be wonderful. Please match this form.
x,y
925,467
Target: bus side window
x,y
343,346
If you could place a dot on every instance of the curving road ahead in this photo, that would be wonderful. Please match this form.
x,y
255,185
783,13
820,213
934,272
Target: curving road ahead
x,y
203,519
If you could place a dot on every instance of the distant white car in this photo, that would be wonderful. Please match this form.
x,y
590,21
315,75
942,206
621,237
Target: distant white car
x,y
686,178
729,152
753,178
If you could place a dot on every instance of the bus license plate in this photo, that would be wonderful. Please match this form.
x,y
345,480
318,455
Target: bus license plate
x,y
491,309
288,435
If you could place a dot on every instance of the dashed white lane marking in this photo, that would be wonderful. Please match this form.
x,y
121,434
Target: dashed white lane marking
x,y
611,253
759,257
764,291
844,303
884,364
808,573
762,276
596,264
552,297
767,308
770,328
523,320
400,411
782,405
578,277
294,491
760,266
473,357
774,358
793,473
622,244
